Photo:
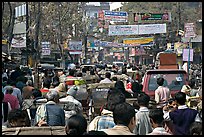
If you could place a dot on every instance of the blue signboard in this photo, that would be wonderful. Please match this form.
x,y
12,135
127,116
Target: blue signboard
x,y
113,13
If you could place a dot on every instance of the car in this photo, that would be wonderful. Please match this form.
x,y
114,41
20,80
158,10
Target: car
x,y
174,80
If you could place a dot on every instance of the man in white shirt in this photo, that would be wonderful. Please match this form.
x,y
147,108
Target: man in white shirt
x,y
162,94
107,78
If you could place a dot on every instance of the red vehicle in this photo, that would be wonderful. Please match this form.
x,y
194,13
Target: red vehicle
x,y
174,80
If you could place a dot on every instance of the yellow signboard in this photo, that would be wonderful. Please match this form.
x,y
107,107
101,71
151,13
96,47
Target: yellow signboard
x,y
138,40
4,42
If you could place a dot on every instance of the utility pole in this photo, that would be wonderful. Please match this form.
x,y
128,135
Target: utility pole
x,y
36,45
27,38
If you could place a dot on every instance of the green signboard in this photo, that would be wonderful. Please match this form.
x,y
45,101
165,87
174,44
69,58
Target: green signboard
x,y
152,16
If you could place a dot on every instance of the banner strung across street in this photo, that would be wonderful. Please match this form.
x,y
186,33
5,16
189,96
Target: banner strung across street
x,y
136,29
148,41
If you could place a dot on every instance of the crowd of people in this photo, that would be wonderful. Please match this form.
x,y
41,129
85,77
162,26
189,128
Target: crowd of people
x,y
169,116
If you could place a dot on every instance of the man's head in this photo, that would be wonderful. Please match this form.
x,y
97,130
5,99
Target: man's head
x,y
18,118
124,114
143,99
52,95
108,75
180,98
114,98
156,117
160,81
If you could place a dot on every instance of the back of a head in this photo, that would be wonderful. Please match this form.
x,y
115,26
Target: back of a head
x,y
114,98
119,85
156,115
192,83
71,72
46,83
94,132
16,116
108,75
143,99
160,81
180,98
29,83
52,95
76,125
9,90
123,113
196,128
36,93
124,70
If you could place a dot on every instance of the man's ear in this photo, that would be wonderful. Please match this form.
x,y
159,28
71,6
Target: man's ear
x,y
133,120
151,121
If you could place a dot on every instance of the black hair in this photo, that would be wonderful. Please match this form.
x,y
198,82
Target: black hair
x,y
71,72
16,114
2,96
46,83
180,97
83,70
114,78
79,74
143,99
4,79
55,83
123,113
36,93
108,75
76,124
124,71
92,72
156,115
114,97
192,83
160,81
195,128
93,132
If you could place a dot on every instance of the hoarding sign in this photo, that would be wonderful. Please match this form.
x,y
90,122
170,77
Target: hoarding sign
x,y
45,48
123,29
140,41
186,54
189,30
152,16
136,29
116,16
75,45
20,10
18,42
152,29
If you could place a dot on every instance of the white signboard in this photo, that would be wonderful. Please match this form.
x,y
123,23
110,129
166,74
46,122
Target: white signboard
x,y
189,30
123,30
152,28
75,45
186,54
116,16
18,42
19,28
136,29
45,48
20,11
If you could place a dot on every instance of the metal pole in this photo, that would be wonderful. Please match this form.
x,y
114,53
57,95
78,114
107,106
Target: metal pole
x,y
27,27
189,57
